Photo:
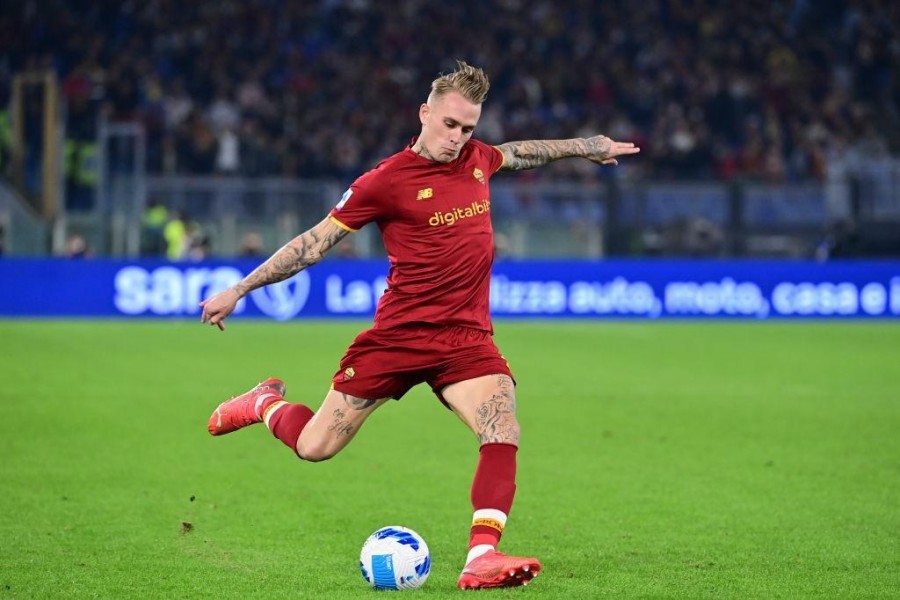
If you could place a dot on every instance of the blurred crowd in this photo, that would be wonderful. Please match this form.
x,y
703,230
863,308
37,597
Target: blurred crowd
x,y
708,88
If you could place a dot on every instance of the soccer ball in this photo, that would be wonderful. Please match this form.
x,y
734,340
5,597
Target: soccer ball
x,y
395,558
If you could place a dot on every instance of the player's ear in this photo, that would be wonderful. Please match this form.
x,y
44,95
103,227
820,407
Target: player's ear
x,y
424,111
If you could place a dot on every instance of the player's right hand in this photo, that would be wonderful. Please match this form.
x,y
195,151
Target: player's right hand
x,y
603,150
218,307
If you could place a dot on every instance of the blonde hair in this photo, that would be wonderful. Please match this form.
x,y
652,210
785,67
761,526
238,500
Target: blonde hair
x,y
468,81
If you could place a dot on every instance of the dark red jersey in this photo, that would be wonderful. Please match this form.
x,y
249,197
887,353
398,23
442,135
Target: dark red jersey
x,y
435,220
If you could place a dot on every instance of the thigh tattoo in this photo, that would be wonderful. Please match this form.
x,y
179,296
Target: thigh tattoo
x,y
495,419
340,426
357,403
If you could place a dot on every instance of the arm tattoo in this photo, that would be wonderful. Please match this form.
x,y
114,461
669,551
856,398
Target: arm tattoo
x,y
303,251
357,403
518,156
537,153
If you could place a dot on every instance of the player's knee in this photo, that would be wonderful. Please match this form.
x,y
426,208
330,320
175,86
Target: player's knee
x,y
506,431
316,451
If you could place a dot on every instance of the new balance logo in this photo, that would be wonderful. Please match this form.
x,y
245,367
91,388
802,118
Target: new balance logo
x,y
425,194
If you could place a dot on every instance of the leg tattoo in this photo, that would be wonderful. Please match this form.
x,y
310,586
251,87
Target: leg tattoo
x,y
495,420
340,427
357,403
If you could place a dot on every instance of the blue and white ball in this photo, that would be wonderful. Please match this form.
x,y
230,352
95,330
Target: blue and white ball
x,y
395,558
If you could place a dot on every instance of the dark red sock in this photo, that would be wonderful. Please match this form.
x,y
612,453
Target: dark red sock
x,y
493,489
288,421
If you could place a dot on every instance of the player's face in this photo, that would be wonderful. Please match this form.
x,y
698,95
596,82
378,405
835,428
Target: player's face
x,y
448,123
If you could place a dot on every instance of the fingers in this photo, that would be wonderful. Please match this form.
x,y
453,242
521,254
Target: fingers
x,y
217,321
214,313
609,149
620,148
207,317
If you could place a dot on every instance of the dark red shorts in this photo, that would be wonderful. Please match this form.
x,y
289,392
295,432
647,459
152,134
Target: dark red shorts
x,y
386,363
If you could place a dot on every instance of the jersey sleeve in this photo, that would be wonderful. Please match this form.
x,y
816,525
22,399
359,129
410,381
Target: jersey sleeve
x,y
361,203
492,155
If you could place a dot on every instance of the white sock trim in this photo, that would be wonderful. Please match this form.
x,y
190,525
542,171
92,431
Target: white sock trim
x,y
490,513
477,551
262,398
274,409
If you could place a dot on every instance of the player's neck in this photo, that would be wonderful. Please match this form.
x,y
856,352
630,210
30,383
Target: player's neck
x,y
422,151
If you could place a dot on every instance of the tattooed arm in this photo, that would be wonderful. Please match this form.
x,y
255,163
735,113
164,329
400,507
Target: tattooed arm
x,y
518,156
303,251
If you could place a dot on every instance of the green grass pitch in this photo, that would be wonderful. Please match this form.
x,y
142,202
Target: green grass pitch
x,y
658,460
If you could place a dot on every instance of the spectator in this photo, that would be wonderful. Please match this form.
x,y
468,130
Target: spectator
x,y
176,236
153,240
77,247
709,88
251,245
200,248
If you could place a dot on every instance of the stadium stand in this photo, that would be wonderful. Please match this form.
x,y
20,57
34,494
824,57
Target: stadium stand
x,y
769,92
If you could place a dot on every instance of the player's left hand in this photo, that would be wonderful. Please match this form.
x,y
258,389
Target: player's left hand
x,y
603,150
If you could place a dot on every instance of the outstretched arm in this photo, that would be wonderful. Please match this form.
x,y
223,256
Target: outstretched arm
x,y
303,251
518,156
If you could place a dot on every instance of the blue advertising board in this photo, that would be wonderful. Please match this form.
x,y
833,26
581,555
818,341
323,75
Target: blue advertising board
x,y
619,289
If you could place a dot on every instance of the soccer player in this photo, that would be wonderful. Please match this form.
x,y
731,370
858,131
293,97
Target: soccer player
x,y
431,202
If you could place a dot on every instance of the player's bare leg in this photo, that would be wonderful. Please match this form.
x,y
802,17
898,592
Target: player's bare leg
x,y
313,436
335,423
487,405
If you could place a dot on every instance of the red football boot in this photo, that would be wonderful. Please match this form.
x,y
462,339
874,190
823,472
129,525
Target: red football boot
x,y
494,569
239,412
